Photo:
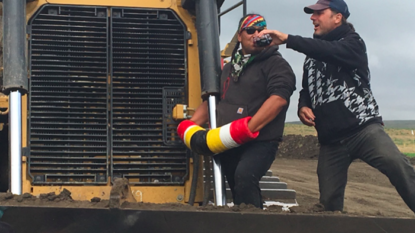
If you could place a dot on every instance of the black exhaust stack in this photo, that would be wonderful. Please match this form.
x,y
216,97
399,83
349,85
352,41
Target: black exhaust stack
x,y
207,25
14,46
15,82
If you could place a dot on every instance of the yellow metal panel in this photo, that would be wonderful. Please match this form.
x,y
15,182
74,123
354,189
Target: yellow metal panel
x,y
4,104
227,51
26,182
162,194
178,112
193,82
24,121
32,7
121,3
194,91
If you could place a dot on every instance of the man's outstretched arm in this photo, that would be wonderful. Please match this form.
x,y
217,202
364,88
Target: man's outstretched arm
x,y
350,52
268,111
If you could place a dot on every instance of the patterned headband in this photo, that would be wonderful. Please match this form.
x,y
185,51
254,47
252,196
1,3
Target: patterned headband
x,y
251,21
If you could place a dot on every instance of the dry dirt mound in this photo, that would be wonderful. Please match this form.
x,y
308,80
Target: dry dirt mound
x,y
303,147
299,147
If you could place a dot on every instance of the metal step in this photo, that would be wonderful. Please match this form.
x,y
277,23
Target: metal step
x,y
264,178
269,194
270,178
272,194
266,185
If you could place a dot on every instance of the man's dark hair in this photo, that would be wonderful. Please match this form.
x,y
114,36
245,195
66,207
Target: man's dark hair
x,y
344,20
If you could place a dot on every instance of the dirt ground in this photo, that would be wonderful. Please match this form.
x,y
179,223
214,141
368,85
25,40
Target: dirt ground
x,y
298,147
368,191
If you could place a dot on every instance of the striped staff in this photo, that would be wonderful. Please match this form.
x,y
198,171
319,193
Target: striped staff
x,y
214,141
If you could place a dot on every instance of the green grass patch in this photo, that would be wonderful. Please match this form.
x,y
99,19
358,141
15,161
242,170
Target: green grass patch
x,y
410,154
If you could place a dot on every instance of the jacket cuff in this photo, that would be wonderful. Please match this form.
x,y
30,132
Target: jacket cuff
x,y
290,41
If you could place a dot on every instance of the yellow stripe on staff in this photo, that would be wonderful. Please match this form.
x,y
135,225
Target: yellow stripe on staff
x,y
214,142
190,132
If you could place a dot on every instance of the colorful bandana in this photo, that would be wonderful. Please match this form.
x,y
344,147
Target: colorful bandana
x,y
252,21
239,62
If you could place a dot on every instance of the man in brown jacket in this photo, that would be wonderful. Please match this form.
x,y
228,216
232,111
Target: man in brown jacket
x,y
256,86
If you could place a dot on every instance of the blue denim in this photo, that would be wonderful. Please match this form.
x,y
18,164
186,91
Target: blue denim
x,y
373,146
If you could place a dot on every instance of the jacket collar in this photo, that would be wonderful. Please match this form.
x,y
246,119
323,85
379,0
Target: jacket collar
x,y
267,52
336,34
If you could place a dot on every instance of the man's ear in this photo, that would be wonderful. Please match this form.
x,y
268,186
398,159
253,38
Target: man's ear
x,y
239,37
338,18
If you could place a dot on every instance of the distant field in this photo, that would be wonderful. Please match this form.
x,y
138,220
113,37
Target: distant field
x,y
408,124
400,124
403,138
299,129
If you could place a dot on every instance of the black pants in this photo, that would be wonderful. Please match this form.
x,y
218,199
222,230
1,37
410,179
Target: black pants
x,y
244,167
376,148
5,228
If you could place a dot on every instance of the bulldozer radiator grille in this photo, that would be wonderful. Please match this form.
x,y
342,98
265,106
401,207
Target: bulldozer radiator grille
x,y
68,100
148,79
102,89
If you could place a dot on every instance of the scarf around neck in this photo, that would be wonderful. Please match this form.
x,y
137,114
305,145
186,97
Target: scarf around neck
x,y
239,62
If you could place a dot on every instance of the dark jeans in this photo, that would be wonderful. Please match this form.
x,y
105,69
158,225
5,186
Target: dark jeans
x,y
373,146
5,228
244,167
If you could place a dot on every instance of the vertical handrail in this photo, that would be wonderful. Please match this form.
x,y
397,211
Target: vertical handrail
x,y
15,132
218,181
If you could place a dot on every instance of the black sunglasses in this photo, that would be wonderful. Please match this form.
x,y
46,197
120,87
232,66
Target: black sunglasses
x,y
251,31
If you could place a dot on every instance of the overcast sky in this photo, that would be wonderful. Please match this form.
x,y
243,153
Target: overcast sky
x,y
387,27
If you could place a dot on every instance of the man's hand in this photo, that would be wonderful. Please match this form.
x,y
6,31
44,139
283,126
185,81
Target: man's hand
x,y
201,115
306,116
278,37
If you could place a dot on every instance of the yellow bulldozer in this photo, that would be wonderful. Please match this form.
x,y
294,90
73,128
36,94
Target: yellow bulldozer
x,y
93,92
103,78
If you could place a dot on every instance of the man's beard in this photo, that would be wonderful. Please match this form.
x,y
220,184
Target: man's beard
x,y
255,51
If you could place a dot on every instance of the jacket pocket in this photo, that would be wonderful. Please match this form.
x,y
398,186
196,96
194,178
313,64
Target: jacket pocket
x,y
227,112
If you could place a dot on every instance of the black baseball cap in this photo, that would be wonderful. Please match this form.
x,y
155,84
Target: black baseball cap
x,y
338,5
